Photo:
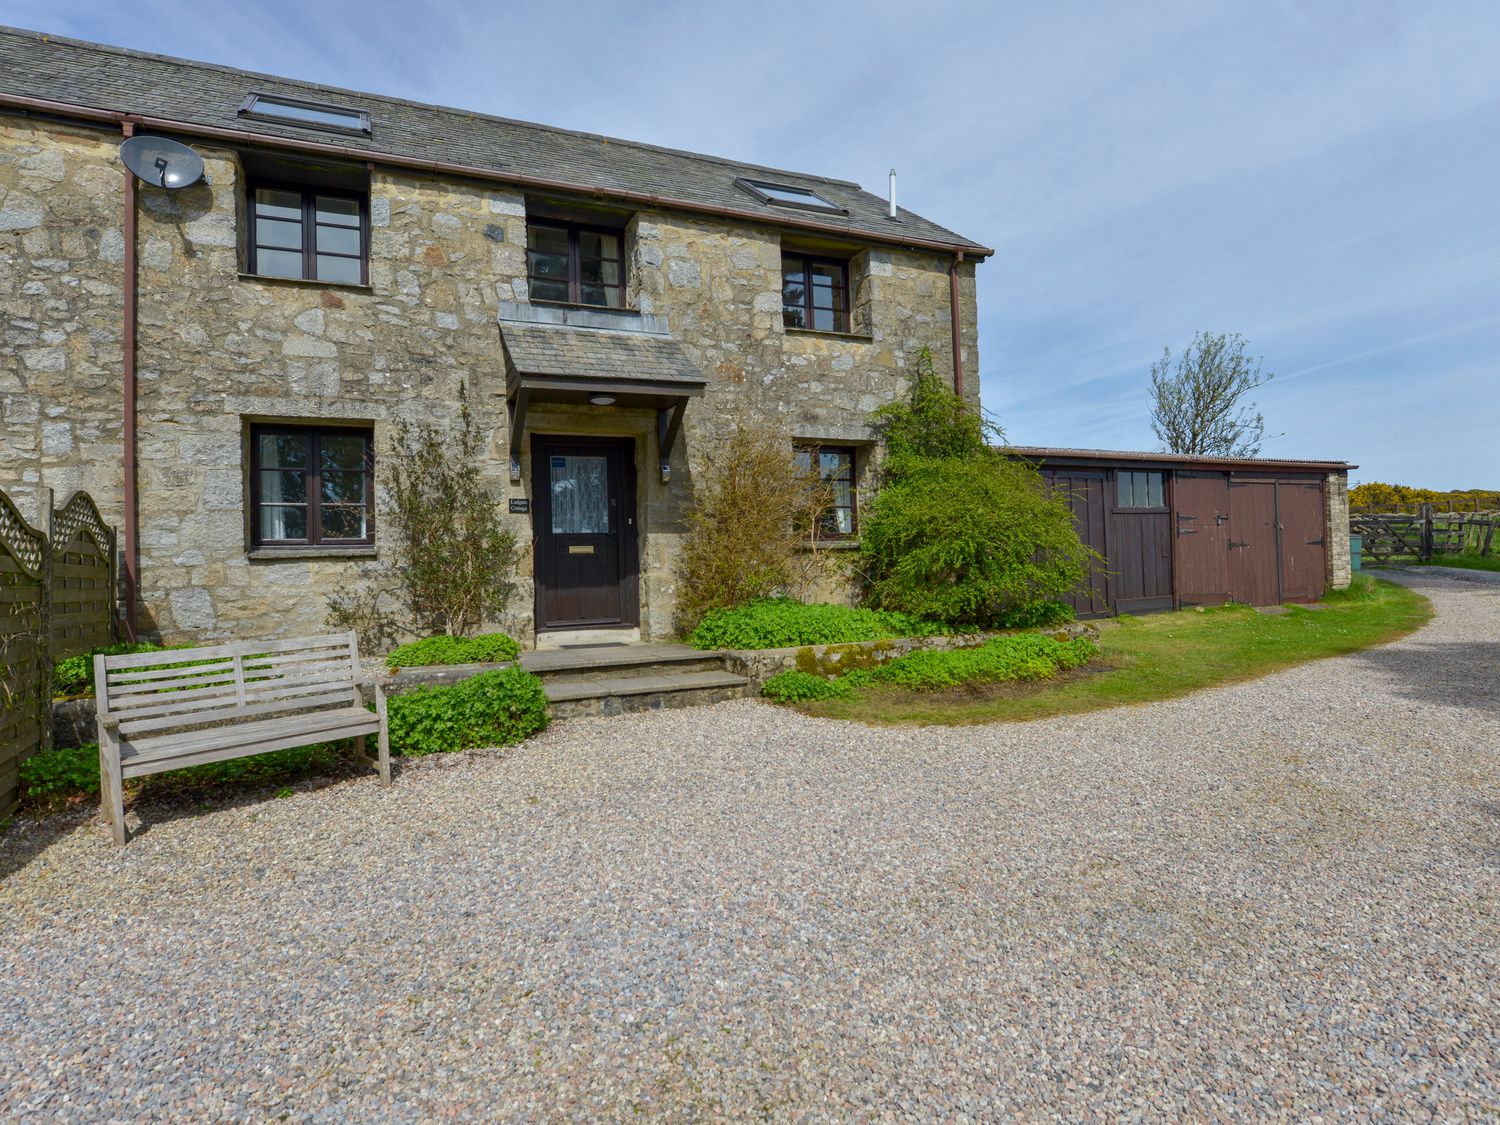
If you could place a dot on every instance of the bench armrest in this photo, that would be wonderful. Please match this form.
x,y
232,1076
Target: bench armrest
x,y
109,722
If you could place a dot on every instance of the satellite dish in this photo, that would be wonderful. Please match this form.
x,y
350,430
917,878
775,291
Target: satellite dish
x,y
161,162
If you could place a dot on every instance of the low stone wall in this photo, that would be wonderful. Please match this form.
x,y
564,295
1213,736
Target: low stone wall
x,y
759,665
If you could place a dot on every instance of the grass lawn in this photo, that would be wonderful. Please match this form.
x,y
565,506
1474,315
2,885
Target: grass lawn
x,y
1466,562
1158,657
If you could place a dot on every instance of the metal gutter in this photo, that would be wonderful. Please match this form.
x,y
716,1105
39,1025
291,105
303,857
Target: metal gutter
x,y
129,553
517,179
958,358
1116,458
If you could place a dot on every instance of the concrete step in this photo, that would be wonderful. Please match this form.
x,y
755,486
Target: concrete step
x,y
574,696
604,662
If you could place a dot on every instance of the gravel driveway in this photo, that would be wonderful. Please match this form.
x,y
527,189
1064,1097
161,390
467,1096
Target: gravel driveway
x,y
1271,900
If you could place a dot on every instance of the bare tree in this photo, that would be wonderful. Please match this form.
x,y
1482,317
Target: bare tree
x,y
1198,407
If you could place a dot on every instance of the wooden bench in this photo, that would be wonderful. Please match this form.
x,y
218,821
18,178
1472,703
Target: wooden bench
x,y
183,707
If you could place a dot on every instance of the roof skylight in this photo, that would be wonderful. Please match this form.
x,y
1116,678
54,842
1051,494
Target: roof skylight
x,y
784,195
314,115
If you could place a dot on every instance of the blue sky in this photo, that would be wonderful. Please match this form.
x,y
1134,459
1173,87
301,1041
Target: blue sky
x,y
1320,177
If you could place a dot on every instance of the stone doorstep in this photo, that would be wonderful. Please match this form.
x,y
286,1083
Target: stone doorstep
x,y
613,660
572,699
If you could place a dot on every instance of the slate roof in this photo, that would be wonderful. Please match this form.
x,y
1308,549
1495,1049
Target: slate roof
x,y
202,94
1045,453
566,350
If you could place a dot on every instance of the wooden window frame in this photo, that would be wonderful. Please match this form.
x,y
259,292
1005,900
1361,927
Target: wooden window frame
x,y
309,196
813,449
840,314
314,482
1118,507
575,280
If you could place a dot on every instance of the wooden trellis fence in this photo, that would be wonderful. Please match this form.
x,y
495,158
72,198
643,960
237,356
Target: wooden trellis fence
x,y
57,599
1425,534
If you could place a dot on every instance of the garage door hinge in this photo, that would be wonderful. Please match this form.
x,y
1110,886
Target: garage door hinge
x,y
1315,542
1233,544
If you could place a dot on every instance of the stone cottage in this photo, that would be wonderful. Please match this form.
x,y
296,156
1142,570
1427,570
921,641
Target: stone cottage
x,y
221,364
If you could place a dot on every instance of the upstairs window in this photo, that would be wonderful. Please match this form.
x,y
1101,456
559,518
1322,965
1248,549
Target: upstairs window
x,y
313,115
832,466
308,233
785,195
1139,490
312,487
814,293
576,265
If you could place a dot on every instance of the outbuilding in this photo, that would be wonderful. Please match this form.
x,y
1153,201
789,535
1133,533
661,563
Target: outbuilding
x,y
1176,531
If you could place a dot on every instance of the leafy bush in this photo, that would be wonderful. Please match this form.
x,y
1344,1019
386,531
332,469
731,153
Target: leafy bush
x,y
783,623
958,532
75,675
753,518
1025,656
73,771
491,709
1038,615
490,648
59,773
454,554
799,687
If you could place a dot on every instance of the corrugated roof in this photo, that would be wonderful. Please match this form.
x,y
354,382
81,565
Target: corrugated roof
x,y
1046,453
591,353
206,95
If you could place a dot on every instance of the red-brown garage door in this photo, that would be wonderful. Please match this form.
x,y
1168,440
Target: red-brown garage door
x,y
1276,551
1201,513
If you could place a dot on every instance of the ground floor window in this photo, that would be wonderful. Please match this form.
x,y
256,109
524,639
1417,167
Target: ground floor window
x,y
834,466
311,486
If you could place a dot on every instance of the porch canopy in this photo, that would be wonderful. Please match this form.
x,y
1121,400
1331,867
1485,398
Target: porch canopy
x,y
575,363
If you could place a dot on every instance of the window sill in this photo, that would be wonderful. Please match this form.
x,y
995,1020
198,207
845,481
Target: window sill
x,y
275,554
586,308
307,281
856,337
849,544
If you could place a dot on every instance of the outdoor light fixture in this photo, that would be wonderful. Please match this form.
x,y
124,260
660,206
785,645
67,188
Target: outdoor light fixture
x,y
602,400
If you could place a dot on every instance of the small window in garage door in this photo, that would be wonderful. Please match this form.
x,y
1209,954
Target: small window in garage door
x,y
1134,489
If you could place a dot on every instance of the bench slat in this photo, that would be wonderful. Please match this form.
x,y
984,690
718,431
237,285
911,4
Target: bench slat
x,y
121,692
176,757
230,709
146,676
218,652
137,703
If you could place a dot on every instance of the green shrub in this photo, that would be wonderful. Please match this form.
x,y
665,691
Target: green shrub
x,y
783,623
799,687
73,771
75,675
1038,615
958,532
490,648
1025,656
973,543
62,772
491,709
748,529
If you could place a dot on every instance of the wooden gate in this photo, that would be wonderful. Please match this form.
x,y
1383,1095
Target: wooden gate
x,y
1201,512
25,674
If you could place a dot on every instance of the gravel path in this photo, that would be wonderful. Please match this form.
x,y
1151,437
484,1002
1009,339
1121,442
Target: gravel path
x,y
1270,900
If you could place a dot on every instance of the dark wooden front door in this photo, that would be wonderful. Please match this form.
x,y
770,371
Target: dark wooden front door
x,y
584,532
1201,503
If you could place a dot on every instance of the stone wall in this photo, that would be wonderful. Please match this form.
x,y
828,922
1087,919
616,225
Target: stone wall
x,y
219,350
1336,538
61,314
